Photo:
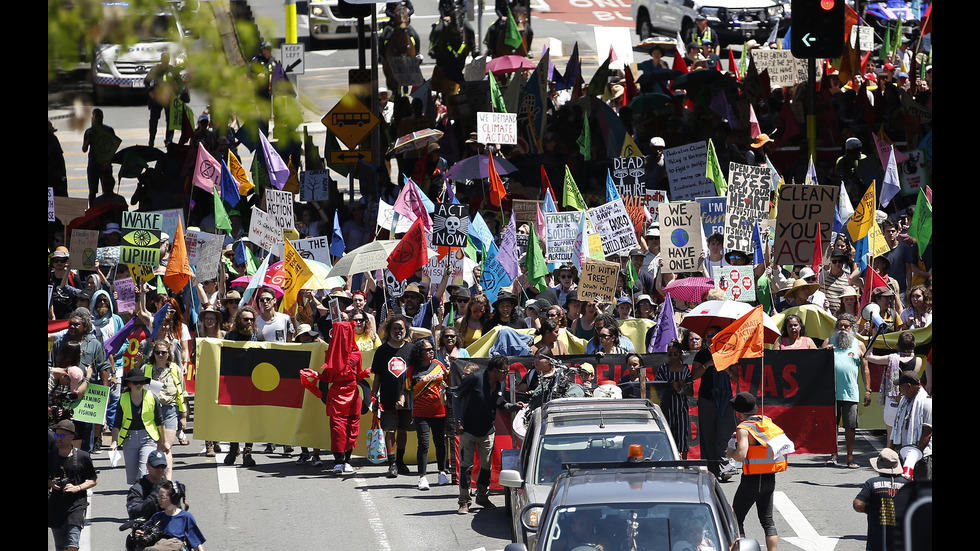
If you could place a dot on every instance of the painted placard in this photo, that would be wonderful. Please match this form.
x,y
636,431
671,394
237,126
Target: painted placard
x,y
652,199
208,260
264,232
738,282
801,209
598,279
141,238
712,215
91,408
748,201
562,235
628,174
499,128
526,210
314,185
680,236
125,291
912,172
279,208
435,270
84,244
686,171
450,225
615,227
170,219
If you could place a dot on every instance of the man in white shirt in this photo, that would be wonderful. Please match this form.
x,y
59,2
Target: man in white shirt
x,y
273,326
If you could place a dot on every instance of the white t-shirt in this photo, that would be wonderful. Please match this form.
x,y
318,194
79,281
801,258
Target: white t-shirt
x,y
275,330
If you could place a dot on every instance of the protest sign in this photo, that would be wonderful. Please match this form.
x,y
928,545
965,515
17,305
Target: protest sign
x,y
125,290
748,201
713,214
637,211
913,173
141,238
738,282
784,69
406,70
208,261
335,312
450,225
435,270
314,185
91,408
170,219
51,216
67,209
598,279
615,227
264,232
801,209
686,171
526,211
394,287
279,208
628,174
652,199
680,236
562,235
194,240
84,244
498,128
314,248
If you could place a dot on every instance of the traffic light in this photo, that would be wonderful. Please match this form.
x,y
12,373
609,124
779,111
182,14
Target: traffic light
x,y
348,10
818,28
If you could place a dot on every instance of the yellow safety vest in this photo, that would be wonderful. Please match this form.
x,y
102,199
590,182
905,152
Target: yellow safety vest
x,y
149,422
760,458
148,371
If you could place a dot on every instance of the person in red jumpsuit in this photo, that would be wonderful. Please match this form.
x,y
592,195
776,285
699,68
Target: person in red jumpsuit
x,y
342,371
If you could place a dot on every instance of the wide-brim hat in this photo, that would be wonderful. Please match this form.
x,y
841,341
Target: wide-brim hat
x,y
232,295
505,296
760,140
802,288
414,288
730,254
136,376
887,462
210,308
849,291
343,297
305,329
744,402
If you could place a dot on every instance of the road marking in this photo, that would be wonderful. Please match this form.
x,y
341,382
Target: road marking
x,y
227,475
85,537
806,537
373,517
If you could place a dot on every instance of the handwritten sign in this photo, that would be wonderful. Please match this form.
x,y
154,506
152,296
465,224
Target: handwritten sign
x,y
208,260
562,235
84,244
141,238
67,209
628,174
615,227
598,279
263,231
314,185
713,214
51,216
680,236
125,292
279,208
499,128
801,209
748,201
784,69
313,248
450,225
686,169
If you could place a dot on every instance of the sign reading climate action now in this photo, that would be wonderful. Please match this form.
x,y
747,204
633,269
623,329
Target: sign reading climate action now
x,y
141,238
499,128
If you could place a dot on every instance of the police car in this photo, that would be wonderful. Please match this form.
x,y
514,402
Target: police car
x,y
569,430
634,506
732,21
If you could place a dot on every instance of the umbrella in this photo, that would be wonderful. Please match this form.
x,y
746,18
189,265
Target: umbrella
x,y
691,289
478,166
509,64
697,80
321,276
722,313
143,152
415,140
649,102
668,45
819,324
366,258
246,279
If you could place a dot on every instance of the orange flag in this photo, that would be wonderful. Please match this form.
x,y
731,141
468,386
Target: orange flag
x,y
742,339
497,191
178,268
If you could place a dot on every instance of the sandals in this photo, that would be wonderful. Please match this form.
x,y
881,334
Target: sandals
x,y
853,465
832,460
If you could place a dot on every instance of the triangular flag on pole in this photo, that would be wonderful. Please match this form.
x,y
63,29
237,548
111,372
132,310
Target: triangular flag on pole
x,y
571,196
179,270
274,165
666,328
207,171
497,191
240,175
742,339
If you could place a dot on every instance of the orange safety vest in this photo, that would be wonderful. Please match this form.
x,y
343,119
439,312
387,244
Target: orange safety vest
x,y
760,458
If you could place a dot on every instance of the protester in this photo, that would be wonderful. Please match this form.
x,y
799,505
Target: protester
x,y
70,475
673,395
171,396
390,368
178,525
139,429
716,418
244,330
912,434
794,335
919,312
848,362
895,364
428,380
877,500
548,342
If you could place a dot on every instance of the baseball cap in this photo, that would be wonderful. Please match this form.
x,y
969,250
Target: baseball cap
x,y
657,141
157,459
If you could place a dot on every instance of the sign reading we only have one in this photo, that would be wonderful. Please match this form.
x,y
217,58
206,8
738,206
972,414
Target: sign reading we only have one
x,y
680,236
802,209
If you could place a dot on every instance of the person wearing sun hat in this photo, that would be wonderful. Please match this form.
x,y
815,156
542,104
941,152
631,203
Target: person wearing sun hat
x,y
877,499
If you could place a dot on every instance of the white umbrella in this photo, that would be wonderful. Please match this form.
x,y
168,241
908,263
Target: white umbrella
x,y
366,258
722,313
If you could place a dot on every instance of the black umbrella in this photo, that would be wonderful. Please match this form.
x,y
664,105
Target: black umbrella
x,y
696,81
135,158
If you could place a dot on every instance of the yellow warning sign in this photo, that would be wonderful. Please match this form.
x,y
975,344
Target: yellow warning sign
x,y
350,120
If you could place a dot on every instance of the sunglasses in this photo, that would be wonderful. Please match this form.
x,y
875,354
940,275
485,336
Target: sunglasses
x,y
449,336
160,352
266,299
248,319
605,336
59,260
428,350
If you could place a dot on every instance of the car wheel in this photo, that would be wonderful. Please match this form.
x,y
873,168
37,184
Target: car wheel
x,y
643,27
686,27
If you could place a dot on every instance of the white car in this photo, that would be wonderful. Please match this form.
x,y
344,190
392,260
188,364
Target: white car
x,y
734,21
326,22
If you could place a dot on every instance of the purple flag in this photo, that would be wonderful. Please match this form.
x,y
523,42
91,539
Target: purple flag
x,y
278,171
115,344
666,328
507,254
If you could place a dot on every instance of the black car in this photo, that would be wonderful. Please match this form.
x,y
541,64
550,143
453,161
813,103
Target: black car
x,y
655,506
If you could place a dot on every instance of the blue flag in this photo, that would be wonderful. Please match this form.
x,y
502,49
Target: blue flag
x,y
157,320
758,256
229,187
337,245
611,192
480,232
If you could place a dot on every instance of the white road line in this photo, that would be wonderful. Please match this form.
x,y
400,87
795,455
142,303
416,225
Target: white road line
x,y
85,537
227,475
373,517
806,537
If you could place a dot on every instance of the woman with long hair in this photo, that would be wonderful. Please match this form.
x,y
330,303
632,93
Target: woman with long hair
x,y
139,427
471,322
505,312
364,333
794,336
427,380
179,526
608,337
584,327
172,396
629,381
849,303
673,398
209,322
919,312
549,343
448,350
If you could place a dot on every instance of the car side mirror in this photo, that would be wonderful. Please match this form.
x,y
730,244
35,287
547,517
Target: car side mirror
x,y
747,544
510,479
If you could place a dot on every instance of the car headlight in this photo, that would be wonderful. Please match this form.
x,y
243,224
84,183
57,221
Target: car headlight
x,y
775,11
318,11
181,59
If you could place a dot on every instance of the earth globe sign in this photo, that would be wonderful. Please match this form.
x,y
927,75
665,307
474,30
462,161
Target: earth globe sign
x,y
679,237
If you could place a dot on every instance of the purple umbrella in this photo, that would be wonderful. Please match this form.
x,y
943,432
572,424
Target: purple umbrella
x,y
478,166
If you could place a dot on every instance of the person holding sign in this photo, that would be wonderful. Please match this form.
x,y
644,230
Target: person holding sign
x,y
170,393
139,425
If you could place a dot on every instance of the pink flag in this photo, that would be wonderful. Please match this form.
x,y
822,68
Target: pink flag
x,y
207,171
540,225
753,122
507,254
409,204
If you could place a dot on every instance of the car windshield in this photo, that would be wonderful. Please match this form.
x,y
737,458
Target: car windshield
x,y
634,527
161,28
591,448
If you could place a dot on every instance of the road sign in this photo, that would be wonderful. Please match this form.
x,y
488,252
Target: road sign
x,y
293,58
351,156
818,30
350,120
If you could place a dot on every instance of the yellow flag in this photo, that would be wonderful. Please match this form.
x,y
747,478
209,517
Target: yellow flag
x,y
630,148
297,273
876,241
240,175
864,215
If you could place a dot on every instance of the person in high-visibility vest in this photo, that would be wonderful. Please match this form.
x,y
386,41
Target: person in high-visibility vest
x,y
138,428
762,448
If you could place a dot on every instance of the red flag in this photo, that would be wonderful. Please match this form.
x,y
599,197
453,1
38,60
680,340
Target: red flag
x,y
817,253
497,191
871,281
732,64
410,254
679,64
742,339
630,91
178,268
864,62
927,21
546,185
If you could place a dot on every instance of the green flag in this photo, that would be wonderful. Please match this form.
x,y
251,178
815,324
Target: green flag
x,y
585,138
570,195
631,275
496,98
513,36
250,265
886,43
221,220
920,227
536,266
714,172
897,40
601,77
743,62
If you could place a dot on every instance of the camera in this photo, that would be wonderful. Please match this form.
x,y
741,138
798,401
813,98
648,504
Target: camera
x,y
61,482
143,534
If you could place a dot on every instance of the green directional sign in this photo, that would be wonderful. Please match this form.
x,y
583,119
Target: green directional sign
x,y
818,29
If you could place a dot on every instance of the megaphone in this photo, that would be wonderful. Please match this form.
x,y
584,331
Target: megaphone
x,y
872,313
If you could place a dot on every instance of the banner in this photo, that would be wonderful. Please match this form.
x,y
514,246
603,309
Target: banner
x,y
84,244
314,185
628,175
748,201
801,209
680,236
598,279
615,227
686,171
738,282
450,225
563,234
279,208
141,238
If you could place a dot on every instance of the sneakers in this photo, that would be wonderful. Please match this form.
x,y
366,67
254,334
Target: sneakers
x,y
348,469
443,479
423,484
485,503
338,469
464,508
286,450
247,460
392,471
217,447
317,462
303,458
403,468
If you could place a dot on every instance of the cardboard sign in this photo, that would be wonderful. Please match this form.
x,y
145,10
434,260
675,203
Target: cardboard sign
x,y
652,199
598,279
738,282
801,209
314,185
450,225
499,128
91,408
526,211
67,209
141,238
912,172
84,244
680,236
314,248
784,69
712,215
406,70
628,174
125,291
264,232
686,169
279,208
615,227
562,235
748,201
208,261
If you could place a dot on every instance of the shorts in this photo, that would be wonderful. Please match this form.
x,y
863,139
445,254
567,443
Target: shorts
x,y
848,413
891,408
66,536
170,415
400,419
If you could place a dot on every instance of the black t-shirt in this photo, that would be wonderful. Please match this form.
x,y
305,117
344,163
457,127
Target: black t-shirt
x,y
879,493
391,365
712,378
65,508
475,403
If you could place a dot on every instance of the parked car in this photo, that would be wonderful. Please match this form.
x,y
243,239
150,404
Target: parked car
x,y
734,21
634,506
568,430
885,14
327,23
